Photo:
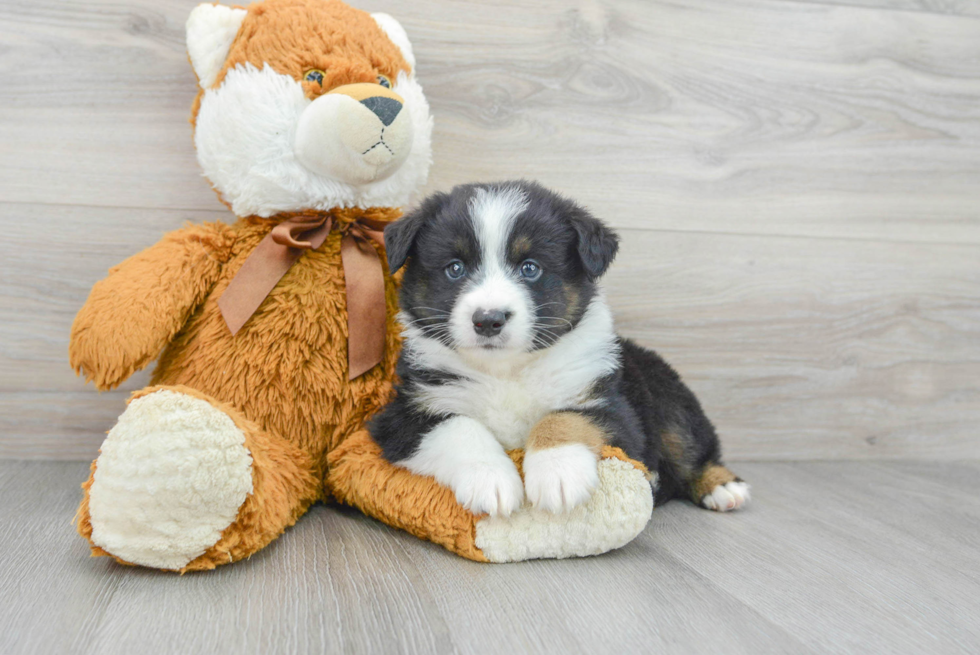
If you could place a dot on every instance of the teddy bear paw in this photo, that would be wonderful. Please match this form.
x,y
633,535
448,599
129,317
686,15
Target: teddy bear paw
x,y
616,512
171,476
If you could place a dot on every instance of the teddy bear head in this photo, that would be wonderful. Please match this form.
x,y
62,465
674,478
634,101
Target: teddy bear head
x,y
307,104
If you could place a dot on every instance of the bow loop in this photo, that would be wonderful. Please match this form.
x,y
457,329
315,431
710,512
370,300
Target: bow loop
x,y
311,227
363,275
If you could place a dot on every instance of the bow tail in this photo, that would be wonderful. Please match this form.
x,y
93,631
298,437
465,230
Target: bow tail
x,y
366,309
257,277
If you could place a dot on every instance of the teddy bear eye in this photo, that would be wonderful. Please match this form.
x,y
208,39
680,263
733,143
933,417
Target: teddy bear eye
x,y
314,75
384,81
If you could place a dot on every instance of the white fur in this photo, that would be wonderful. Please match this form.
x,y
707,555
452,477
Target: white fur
x,y
561,478
397,34
727,497
615,514
494,286
171,476
246,134
509,395
211,29
462,455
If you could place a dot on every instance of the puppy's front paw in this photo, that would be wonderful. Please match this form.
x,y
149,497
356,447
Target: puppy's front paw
x,y
491,487
559,479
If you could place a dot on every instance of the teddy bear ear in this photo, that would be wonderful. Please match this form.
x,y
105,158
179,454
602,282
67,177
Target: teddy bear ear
x,y
211,29
397,34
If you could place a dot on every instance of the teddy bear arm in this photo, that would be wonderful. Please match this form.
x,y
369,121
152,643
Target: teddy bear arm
x,y
132,314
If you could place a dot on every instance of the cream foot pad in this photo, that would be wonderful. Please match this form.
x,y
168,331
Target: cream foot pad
x,y
170,478
618,511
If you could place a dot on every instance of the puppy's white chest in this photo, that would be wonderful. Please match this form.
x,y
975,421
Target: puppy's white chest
x,y
509,409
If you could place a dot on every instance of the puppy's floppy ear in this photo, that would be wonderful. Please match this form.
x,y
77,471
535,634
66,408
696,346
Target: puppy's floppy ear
x,y
400,236
597,244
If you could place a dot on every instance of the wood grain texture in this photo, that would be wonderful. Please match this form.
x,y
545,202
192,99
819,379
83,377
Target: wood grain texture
x,y
752,116
798,185
954,7
831,557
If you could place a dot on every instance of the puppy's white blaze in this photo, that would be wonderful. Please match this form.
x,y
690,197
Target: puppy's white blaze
x,y
493,212
245,135
495,287
510,395
561,478
462,454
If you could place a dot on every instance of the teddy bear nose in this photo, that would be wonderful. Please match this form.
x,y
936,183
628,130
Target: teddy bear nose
x,y
384,108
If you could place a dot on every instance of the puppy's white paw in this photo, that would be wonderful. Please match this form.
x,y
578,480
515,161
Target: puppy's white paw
x,y
727,497
489,487
559,479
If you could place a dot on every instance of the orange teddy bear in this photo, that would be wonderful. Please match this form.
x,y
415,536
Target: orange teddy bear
x,y
276,335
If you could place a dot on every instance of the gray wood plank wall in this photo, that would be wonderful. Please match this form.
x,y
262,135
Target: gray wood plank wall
x,y
797,184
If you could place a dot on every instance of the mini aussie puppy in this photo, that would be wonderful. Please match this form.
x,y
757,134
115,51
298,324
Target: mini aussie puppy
x,y
509,343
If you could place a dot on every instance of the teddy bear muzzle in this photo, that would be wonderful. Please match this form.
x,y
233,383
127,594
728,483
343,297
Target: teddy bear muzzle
x,y
356,133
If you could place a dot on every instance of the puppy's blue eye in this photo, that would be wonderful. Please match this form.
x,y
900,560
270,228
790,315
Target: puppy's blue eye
x,y
530,270
455,270
384,81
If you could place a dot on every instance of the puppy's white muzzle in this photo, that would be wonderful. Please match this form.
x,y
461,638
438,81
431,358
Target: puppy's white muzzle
x,y
356,133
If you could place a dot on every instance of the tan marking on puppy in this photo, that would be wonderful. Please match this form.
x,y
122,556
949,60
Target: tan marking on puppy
x,y
709,478
520,247
463,247
563,428
673,445
572,300
675,448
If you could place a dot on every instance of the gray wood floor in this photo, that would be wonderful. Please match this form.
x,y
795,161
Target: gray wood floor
x,y
832,557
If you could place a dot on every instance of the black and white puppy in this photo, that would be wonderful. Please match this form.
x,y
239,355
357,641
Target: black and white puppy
x,y
509,343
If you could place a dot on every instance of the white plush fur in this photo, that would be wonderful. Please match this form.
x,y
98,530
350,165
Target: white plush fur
x,y
397,34
561,478
246,134
462,455
509,395
171,476
211,29
727,497
615,514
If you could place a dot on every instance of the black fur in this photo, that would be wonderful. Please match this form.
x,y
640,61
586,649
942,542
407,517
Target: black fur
x,y
645,400
399,428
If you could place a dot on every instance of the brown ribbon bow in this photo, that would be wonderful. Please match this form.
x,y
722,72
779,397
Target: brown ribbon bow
x,y
363,275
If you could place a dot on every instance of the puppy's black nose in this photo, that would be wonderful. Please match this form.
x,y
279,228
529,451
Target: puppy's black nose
x,y
489,323
384,108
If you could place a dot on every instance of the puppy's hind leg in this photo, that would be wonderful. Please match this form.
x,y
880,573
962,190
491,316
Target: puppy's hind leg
x,y
692,467
715,487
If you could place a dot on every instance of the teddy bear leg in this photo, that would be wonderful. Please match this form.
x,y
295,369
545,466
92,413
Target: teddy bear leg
x,y
617,512
184,482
